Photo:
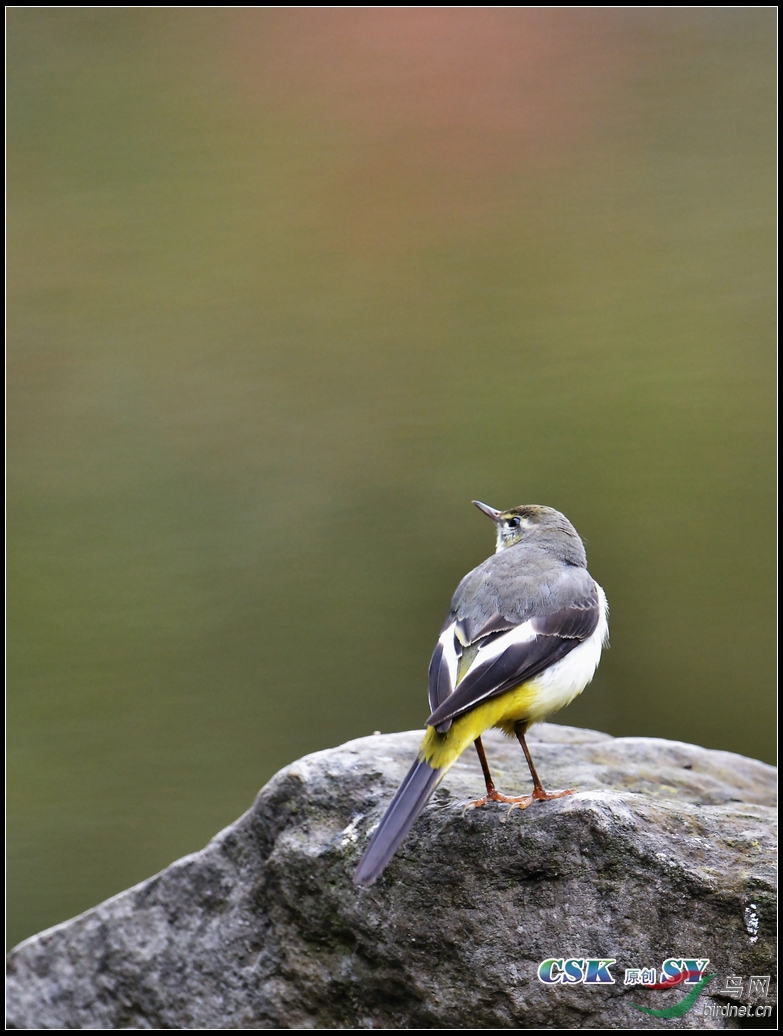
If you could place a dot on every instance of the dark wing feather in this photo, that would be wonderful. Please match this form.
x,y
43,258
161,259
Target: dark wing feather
x,y
577,623
556,635
440,686
469,630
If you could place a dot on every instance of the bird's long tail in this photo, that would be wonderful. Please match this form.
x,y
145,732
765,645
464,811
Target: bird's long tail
x,y
438,752
407,804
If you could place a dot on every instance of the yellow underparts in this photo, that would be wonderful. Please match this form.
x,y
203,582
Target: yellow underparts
x,y
441,750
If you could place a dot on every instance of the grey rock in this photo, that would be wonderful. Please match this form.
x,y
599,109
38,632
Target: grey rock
x,y
665,850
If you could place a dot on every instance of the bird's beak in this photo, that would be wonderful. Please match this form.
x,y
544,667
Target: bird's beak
x,y
493,514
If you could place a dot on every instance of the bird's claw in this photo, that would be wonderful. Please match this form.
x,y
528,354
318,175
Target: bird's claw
x,y
538,795
518,802
475,804
544,796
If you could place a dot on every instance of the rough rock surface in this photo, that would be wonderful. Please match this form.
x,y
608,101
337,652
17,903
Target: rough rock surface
x,y
666,850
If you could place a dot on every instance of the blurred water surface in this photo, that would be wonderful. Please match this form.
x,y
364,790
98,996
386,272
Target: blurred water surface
x,y
287,289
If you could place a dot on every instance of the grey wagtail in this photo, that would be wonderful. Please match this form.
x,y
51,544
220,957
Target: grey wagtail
x,y
523,639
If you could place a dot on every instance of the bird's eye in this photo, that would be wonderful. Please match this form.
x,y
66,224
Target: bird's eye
x,y
513,523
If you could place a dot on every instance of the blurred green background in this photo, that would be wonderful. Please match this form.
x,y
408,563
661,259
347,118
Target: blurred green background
x,y
287,289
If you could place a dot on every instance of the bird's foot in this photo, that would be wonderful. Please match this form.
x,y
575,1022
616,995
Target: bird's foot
x,y
496,796
538,795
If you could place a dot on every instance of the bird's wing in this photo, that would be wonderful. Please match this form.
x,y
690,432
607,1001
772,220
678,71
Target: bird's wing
x,y
506,657
445,661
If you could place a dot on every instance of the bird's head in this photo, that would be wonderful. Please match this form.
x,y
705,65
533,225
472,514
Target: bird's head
x,y
535,523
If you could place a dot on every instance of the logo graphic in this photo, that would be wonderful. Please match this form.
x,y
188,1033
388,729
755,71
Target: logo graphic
x,y
689,973
685,975
591,971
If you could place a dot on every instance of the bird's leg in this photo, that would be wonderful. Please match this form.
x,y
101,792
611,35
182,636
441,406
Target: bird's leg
x,y
493,794
538,788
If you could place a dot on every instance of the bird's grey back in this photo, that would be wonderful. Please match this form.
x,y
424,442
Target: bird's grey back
x,y
526,580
